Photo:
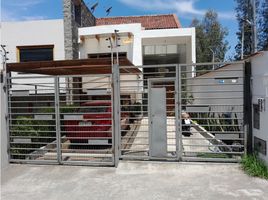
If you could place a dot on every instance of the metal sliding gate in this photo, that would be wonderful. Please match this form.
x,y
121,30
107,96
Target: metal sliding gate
x,y
183,112
61,119
162,112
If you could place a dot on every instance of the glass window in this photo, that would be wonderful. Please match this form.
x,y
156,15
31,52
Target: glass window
x,y
161,49
172,49
35,53
149,50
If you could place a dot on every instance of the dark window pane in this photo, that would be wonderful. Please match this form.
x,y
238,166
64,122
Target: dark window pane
x,y
256,116
36,54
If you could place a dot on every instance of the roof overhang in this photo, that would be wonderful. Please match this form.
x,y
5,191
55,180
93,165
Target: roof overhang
x,y
72,67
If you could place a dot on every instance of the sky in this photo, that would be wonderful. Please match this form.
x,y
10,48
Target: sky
x,y
186,10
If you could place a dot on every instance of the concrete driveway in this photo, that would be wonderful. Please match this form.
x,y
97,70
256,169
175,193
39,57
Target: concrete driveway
x,y
132,181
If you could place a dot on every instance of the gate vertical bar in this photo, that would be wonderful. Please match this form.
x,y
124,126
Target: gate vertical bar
x,y
57,118
177,111
6,88
116,113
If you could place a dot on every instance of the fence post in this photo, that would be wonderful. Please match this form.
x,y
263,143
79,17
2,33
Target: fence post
x,y
57,118
116,113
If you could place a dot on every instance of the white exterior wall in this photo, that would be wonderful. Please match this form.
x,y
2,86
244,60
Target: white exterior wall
x,y
139,37
259,65
94,41
43,32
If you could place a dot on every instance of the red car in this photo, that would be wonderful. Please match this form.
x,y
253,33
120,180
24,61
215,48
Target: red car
x,y
94,121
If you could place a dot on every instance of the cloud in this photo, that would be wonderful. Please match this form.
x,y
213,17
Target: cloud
x,y
184,8
22,3
16,10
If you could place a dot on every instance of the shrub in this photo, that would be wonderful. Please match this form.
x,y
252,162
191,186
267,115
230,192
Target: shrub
x,y
253,166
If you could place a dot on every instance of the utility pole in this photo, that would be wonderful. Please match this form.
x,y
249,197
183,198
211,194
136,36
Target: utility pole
x,y
116,135
254,27
213,57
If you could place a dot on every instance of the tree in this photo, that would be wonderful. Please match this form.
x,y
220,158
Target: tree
x,y
210,36
244,14
263,24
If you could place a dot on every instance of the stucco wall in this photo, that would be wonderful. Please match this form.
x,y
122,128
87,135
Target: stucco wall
x,y
139,37
40,32
259,65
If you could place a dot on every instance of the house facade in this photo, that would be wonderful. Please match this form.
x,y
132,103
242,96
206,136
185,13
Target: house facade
x,y
144,40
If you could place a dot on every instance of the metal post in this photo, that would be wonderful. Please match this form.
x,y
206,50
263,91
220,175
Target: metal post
x,y
179,113
8,109
6,79
242,41
177,117
116,112
57,117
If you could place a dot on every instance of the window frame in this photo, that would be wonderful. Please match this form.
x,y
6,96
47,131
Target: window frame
x,y
31,47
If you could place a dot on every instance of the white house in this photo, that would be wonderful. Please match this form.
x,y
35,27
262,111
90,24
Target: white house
x,y
259,64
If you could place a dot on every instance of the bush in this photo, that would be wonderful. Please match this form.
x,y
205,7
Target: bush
x,y
26,127
253,166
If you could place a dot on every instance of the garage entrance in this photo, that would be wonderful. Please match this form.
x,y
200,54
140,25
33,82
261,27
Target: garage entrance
x,y
62,112
89,112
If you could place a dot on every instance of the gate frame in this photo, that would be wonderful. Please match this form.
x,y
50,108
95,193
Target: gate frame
x,y
245,123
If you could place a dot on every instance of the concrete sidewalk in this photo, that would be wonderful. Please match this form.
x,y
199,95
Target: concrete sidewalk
x,y
132,181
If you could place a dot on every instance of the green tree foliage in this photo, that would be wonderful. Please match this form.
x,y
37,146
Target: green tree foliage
x,y
244,12
263,25
210,35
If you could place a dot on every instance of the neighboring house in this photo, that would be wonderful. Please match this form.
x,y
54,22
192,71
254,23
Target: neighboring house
x,y
259,66
219,93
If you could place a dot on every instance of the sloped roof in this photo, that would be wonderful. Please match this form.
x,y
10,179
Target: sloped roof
x,y
149,22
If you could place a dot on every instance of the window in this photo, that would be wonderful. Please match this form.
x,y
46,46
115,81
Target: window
x,y
77,13
227,80
172,49
161,49
35,53
256,116
149,50
107,55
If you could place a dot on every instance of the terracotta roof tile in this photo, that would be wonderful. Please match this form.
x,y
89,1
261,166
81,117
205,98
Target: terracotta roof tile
x,y
149,22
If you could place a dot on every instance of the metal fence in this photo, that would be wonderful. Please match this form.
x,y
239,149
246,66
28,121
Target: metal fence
x,y
161,112
186,112
213,97
62,119
149,99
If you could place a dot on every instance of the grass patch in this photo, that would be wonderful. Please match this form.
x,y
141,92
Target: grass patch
x,y
212,155
253,166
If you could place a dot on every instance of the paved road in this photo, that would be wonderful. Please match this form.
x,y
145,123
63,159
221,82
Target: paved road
x,y
132,181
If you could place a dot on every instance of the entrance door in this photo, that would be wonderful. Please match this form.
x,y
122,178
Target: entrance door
x,y
158,123
162,118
